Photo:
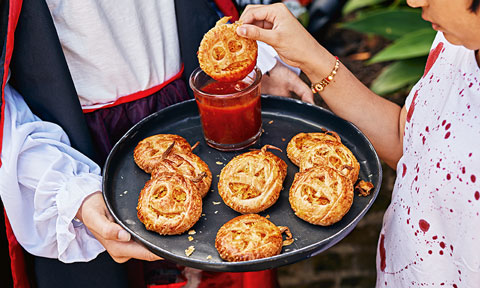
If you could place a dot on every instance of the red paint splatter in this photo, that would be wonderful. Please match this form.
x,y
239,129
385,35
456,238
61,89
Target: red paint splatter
x,y
416,178
477,195
412,107
473,178
404,170
429,251
442,244
449,176
455,286
461,91
471,84
448,126
427,129
440,252
432,57
435,237
463,170
444,122
423,139
383,262
447,135
438,164
424,225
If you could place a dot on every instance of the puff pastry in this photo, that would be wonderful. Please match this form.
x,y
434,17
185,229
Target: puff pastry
x,y
169,204
251,182
303,142
333,154
189,166
321,195
249,237
224,55
148,152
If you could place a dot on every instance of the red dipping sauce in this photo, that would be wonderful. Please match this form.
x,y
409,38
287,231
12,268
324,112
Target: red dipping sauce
x,y
230,112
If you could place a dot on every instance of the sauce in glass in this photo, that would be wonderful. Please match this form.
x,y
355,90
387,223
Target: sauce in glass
x,y
230,120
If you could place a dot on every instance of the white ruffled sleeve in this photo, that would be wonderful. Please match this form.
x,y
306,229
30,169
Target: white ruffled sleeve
x,y
267,59
43,182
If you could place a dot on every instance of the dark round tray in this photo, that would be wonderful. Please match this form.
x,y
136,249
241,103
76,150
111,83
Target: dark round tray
x,y
282,119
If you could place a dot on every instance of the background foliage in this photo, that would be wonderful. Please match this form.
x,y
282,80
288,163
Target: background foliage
x,y
410,39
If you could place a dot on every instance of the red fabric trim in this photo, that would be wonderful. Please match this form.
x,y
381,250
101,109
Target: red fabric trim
x,y
228,9
138,95
173,285
17,260
14,12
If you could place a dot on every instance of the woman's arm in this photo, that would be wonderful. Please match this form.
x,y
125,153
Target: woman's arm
x,y
381,120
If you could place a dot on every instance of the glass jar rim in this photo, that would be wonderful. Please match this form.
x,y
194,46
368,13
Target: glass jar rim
x,y
198,71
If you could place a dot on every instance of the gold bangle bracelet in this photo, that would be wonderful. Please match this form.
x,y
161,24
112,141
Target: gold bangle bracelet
x,y
319,86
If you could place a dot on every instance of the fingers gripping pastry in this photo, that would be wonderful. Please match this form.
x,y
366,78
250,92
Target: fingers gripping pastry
x,y
249,237
321,195
303,142
169,204
251,182
148,152
333,154
224,55
189,166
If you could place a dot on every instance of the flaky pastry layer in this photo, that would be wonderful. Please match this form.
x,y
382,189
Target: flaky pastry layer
x,y
169,204
224,55
248,237
321,195
251,182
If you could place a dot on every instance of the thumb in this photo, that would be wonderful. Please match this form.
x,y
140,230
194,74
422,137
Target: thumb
x,y
255,33
102,225
113,231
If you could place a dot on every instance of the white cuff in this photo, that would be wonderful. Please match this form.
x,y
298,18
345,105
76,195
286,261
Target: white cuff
x,y
268,57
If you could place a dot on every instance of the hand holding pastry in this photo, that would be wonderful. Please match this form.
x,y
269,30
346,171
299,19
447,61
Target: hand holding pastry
x,y
275,25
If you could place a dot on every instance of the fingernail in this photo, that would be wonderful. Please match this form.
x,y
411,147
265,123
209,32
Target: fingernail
x,y
241,31
123,235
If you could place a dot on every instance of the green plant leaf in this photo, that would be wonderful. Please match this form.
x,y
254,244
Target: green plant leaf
x,y
414,44
353,5
398,75
389,23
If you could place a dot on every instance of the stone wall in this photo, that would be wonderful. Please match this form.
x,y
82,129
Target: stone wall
x,y
351,262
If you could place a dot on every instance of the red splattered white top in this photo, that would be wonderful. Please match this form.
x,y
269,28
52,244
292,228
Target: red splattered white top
x,y
431,230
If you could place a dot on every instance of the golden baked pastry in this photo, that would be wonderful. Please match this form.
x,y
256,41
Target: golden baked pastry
x,y
169,204
303,142
249,237
148,152
189,166
321,195
333,154
224,55
251,182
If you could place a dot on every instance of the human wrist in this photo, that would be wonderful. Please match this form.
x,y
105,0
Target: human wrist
x,y
318,87
319,67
